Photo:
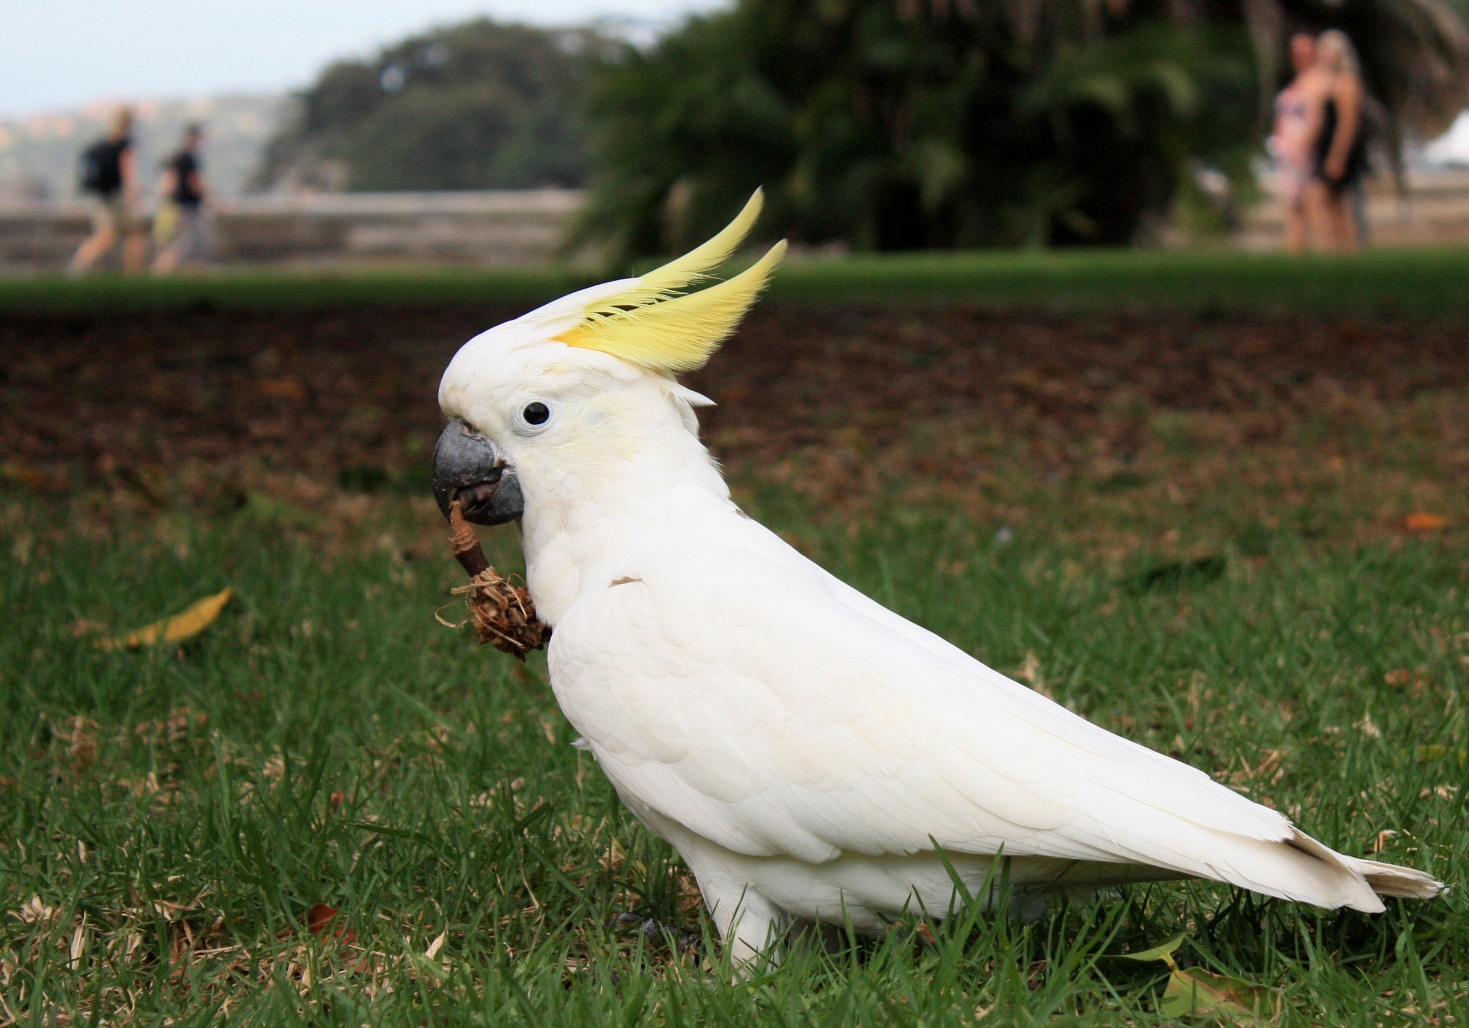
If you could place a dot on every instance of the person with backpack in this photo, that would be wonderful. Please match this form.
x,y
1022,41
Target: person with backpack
x,y
109,174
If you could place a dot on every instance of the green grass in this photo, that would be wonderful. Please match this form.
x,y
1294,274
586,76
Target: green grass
x,y
171,816
286,290
1425,282
1412,282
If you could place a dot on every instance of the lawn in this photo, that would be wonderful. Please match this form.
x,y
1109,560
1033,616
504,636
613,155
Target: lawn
x,y
1391,282
1236,538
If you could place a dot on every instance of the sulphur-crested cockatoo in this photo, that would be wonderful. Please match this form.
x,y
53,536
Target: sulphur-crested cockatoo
x,y
811,755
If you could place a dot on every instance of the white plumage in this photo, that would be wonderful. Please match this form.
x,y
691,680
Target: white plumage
x,y
802,747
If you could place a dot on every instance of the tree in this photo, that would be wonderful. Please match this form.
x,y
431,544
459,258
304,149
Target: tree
x,y
475,106
896,124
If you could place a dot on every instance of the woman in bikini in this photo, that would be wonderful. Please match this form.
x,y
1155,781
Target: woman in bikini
x,y
1290,141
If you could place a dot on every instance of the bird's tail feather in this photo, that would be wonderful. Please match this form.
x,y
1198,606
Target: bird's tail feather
x,y
1393,880
1382,879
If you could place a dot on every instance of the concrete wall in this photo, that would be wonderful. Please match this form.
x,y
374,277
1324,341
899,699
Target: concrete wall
x,y
510,229
330,230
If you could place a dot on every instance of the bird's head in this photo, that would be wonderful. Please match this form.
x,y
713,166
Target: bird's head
x,y
585,381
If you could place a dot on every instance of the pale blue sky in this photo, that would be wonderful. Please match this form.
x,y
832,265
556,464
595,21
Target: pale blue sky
x,y
66,53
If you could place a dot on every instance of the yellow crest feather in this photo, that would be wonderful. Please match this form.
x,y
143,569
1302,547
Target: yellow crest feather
x,y
654,325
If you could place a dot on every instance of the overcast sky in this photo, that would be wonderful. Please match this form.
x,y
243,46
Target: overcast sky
x,y
66,53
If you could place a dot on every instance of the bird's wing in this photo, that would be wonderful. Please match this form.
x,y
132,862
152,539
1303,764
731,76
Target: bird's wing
x,y
744,693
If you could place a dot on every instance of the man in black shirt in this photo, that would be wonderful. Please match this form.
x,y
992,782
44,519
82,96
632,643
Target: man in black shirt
x,y
179,228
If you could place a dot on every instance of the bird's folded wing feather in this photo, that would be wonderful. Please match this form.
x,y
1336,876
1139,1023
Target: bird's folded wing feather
x,y
773,710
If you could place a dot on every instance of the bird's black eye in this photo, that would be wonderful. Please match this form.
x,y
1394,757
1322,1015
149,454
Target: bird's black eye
x,y
536,413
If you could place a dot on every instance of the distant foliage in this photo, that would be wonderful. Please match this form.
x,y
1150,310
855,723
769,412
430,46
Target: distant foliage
x,y
918,124
873,124
887,128
476,106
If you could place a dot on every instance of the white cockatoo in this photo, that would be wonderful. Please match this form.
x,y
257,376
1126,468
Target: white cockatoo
x,y
811,755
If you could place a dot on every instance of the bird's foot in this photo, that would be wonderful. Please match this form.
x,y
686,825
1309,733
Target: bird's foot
x,y
652,929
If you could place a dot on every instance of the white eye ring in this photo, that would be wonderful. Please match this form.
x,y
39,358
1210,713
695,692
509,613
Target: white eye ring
x,y
534,415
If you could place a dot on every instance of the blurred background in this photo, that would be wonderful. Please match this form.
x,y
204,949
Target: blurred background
x,y
515,133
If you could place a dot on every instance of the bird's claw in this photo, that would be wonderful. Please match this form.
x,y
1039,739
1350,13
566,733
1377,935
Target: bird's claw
x,y
650,929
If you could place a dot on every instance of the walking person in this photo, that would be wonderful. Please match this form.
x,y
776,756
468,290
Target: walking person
x,y
110,174
179,228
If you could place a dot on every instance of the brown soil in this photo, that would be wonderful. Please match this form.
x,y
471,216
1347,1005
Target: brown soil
x,y
341,401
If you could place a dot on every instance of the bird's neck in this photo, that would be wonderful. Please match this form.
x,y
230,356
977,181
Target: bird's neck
x,y
586,526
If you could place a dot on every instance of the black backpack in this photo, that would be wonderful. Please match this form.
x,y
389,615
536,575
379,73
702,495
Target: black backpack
x,y
100,169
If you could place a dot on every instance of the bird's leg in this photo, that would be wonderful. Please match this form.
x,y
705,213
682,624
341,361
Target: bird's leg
x,y
751,926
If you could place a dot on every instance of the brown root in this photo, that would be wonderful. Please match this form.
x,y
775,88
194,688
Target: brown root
x,y
467,550
502,613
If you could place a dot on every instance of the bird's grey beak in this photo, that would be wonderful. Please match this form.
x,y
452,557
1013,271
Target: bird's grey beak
x,y
469,467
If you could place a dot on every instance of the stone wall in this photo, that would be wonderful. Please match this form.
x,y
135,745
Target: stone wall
x,y
491,229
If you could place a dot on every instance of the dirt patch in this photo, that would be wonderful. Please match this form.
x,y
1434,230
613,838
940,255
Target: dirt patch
x,y
345,399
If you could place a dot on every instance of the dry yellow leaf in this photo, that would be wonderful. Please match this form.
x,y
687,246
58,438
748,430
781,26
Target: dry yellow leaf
x,y
1197,991
184,625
